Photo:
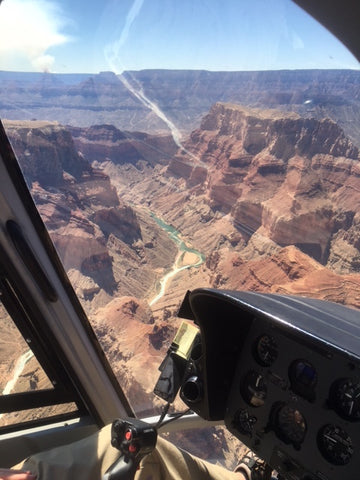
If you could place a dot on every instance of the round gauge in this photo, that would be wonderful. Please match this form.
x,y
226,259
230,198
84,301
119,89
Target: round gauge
x,y
244,422
254,389
345,398
266,350
335,445
303,379
290,424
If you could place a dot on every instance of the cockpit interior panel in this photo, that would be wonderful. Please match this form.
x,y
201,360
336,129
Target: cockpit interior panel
x,y
283,374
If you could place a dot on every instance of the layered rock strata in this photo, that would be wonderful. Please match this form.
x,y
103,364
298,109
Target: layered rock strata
x,y
293,178
106,142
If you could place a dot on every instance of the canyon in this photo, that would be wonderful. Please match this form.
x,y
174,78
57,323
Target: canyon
x,y
269,198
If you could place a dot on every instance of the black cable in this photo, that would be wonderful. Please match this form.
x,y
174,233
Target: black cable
x,y
173,418
162,416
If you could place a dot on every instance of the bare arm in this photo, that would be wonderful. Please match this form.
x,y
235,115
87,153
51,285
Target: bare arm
x,y
9,474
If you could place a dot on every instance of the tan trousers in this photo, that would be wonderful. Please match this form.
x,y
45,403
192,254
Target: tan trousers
x,y
88,459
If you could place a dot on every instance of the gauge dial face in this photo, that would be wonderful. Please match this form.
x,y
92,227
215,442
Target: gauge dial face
x,y
266,350
290,424
303,379
254,389
335,444
244,422
302,372
345,398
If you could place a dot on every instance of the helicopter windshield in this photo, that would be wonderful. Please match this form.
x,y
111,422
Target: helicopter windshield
x,y
173,146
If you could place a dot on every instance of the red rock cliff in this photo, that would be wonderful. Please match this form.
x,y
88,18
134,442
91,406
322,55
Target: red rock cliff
x,y
290,176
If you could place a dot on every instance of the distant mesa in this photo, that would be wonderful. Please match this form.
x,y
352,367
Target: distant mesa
x,y
83,100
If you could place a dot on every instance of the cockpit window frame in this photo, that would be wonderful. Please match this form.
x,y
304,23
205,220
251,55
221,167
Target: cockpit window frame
x,y
34,327
28,319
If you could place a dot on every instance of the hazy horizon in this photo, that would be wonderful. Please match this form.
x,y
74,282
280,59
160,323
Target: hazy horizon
x,y
176,70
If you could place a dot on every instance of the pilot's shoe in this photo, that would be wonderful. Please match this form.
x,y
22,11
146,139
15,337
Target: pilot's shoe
x,y
253,468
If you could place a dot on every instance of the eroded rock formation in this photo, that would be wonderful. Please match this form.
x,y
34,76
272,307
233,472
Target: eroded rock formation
x,y
292,177
106,142
100,239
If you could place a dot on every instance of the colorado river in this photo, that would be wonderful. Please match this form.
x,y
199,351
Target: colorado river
x,y
19,367
178,264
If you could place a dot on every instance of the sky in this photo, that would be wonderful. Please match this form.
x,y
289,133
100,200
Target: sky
x,y
88,36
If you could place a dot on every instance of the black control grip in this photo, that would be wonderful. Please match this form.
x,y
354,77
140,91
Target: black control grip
x,y
134,439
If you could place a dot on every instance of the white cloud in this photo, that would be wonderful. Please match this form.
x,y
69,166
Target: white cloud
x,y
28,28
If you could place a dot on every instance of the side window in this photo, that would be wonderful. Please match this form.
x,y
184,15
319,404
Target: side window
x,y
27,395
20,370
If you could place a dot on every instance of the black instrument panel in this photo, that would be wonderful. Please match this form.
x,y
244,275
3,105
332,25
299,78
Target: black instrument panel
x,y
297,398
289,391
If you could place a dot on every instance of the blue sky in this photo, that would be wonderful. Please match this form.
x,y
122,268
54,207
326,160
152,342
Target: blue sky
x,y
91,36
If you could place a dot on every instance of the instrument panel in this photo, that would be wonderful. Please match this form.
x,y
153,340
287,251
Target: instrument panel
x,y
295,400
290,392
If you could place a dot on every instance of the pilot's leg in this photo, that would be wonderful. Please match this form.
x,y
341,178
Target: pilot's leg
x,y
167,462
88,459
85,459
